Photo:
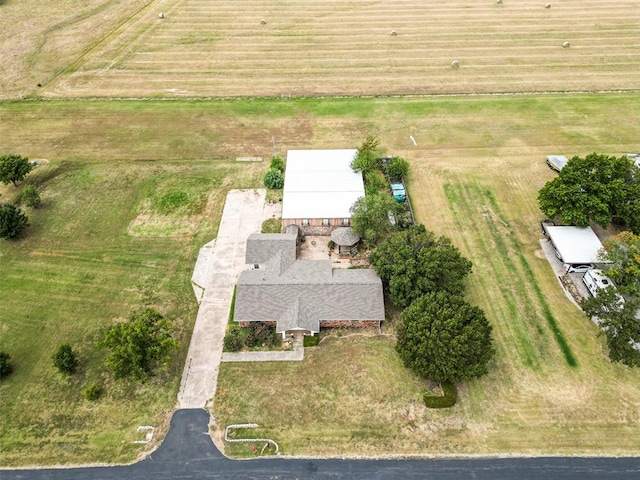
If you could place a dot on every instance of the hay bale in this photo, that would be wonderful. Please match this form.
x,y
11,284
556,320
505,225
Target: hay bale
x,y
161,15
393,33
566,44
455,64
263,22
548,5
498,2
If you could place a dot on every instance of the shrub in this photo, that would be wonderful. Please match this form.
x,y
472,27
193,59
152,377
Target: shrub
x,y
398,167
274,179
375,182
93,392
5,367
233,340
445,401
308,341
277,163
31,197
65,359
12,221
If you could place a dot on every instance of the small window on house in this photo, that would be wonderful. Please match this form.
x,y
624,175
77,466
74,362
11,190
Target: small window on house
x,y
345,222
305,222
325,221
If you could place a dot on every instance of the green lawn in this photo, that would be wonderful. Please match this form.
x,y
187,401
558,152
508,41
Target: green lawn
x,y
109,238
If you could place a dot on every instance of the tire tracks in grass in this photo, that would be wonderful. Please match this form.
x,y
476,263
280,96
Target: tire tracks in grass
x,y
475,208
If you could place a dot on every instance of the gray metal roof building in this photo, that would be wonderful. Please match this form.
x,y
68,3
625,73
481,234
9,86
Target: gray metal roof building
x,y
306,292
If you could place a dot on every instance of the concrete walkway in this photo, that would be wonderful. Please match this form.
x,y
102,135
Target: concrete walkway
x,y
216,272
295,355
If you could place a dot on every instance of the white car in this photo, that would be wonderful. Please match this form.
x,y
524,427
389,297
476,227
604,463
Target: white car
x,y
577,267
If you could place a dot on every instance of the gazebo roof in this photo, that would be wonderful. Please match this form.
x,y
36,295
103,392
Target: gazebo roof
x,y
344,236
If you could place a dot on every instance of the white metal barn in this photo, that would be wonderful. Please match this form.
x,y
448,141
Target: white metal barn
x,y
319,189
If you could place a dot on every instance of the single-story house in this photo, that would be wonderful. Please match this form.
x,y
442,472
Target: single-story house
x,y
319,190
574,245
303,295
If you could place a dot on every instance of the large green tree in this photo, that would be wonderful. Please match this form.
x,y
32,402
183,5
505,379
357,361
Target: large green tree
x,y
442,337
619,322
623,251
415,261
370,216
13,168
12,221
139,347
595,188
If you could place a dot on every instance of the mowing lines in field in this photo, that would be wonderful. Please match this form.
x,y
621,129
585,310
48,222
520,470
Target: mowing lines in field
x,y
475,209
210,47
551,320
515,334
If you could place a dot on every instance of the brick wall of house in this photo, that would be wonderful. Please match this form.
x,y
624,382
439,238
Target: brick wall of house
x,y
349,323
331,323
315,225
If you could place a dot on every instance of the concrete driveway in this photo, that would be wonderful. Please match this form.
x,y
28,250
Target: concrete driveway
x,y
217,271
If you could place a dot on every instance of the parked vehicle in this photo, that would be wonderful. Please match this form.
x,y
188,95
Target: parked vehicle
x,y
595,279
577,268
556,162
399,193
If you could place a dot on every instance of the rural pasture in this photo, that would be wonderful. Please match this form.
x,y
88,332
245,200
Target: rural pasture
x,y
476,170
108,238
215,48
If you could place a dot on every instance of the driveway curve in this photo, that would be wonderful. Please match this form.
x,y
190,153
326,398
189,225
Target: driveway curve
x,y
187,453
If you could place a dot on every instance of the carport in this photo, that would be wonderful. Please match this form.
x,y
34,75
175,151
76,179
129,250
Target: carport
x,y
574,245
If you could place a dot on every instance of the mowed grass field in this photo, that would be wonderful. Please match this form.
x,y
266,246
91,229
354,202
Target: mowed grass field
x,y
101,245
215,48
39,40
109,238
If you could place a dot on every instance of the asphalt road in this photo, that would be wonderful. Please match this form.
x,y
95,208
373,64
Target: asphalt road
x,y
188,453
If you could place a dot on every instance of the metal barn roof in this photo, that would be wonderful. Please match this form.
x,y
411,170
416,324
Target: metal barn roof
x,y
575,244
320,184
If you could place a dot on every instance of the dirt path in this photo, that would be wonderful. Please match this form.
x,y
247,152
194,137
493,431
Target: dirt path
x,y
242,215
